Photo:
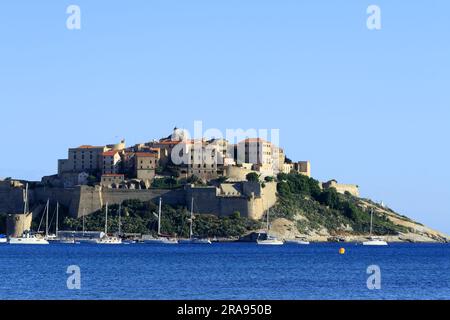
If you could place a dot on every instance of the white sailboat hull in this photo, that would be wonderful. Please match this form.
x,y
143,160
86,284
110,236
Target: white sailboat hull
x,y
298,242
375,243
195,241
28,241
161,241
3,240
110,241
270,242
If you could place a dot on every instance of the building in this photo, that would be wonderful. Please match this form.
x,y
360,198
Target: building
x,y
85,158
111,162
112,180
255,151
205,159
145,165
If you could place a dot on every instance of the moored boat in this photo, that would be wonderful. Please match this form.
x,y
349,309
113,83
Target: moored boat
x,y
373,240
192,239
269,240
298,241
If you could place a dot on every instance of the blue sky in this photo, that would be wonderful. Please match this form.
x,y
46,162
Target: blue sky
x,y
366,107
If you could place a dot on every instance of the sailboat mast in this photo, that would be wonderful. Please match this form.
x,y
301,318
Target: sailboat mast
x,y
84,213
106,219
268,223
25,200
25,208
192,219
46,218
120,219
371,221
57,218
159,216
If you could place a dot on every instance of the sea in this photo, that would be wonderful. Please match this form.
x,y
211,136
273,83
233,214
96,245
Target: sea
x,y
225,271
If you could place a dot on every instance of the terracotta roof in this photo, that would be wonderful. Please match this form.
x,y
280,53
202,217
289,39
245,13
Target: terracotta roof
x,y
89,147
168,142
109,153
145,154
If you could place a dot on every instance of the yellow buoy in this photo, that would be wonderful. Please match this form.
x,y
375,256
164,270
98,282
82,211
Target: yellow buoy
x,y
342,251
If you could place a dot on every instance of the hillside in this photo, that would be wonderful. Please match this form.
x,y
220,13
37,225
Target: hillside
x,y
303,209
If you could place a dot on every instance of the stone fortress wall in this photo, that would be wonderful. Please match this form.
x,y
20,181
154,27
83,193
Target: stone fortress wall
x,y
249,198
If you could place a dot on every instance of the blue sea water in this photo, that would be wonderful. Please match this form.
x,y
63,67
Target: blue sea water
x,y
225,271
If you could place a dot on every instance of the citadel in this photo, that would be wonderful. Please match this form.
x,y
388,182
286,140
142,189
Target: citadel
x,y
175,168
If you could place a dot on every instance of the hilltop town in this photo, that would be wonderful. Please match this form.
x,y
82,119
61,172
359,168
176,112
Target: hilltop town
x,y
221,178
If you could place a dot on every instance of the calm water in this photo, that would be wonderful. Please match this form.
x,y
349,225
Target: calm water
x,y
224,271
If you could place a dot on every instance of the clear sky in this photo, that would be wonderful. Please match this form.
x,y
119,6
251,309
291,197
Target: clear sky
x,y
366,107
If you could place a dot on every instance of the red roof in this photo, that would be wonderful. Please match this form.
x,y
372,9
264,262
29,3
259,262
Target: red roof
x,y
146,154
89,147
168,142
109,153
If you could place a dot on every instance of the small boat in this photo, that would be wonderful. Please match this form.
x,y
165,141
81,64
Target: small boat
x,y
192,239
3,239
129,241
299,241
270,240
374,241
195,241
108,239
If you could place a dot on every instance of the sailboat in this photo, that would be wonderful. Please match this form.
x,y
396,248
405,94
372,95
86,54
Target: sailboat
x,y
374,241
108,239
192,239
27,237
58,239
159,239
270,240
49,237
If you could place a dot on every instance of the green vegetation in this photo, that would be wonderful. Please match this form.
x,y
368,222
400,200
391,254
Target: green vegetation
x,y
252,177
138,217
338,213
166,183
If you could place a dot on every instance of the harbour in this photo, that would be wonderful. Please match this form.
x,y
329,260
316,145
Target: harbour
x,y
224,271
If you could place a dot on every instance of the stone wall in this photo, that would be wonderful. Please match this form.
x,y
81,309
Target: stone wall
x,y
252,203
92,199
353,189
11,199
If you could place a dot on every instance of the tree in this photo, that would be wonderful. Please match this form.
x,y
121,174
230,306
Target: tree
x,y
235,215
252,177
